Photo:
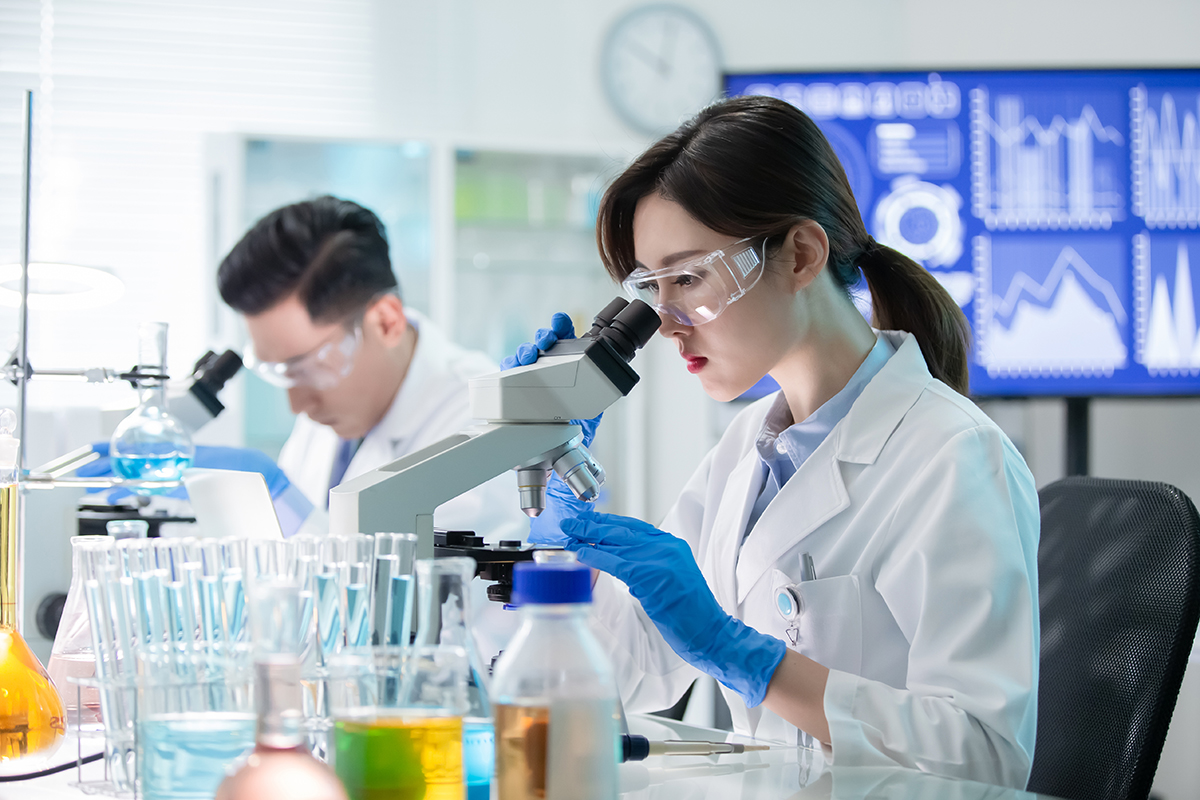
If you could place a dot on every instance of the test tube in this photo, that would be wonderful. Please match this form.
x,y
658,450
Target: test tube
x,y
306,563
395,559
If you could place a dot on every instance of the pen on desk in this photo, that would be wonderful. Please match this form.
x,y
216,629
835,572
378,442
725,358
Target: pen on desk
x,y
636,748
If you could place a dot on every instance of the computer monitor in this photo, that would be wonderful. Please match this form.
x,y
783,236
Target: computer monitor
x,y
1059,208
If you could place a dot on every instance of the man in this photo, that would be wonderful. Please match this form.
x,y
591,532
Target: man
x,y
370,380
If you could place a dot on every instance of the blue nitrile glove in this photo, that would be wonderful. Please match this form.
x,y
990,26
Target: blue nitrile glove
x,y
561,502
662,574
291,506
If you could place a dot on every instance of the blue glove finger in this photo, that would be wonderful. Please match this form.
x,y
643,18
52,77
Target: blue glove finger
x,y
526,354
615,531
596,558
561,324
545,338
589,427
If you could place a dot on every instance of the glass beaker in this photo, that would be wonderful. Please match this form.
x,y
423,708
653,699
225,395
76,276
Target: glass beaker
x,y
399,712
382,746
73,655
444,626
150,444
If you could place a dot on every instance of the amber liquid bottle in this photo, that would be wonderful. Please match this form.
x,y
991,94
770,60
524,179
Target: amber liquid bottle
x,y
32,719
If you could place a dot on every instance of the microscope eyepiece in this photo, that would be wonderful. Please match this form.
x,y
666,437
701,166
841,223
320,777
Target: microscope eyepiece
x,y
631,328
606,315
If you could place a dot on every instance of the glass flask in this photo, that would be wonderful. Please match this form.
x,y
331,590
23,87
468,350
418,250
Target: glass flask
x,y
280,767
73,655
554,694
32,718
150,444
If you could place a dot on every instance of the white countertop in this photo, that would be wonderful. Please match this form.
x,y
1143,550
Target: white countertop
x,y
782,772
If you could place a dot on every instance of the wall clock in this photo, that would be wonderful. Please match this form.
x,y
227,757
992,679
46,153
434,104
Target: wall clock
x,y
660,64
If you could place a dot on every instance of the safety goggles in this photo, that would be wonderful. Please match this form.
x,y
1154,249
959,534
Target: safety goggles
x,y
697,291
320,368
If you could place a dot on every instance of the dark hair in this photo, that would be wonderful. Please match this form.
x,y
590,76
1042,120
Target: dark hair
x,y
331,253
755,166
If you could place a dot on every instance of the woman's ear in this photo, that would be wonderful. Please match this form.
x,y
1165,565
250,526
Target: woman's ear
x,y
386,317
806,250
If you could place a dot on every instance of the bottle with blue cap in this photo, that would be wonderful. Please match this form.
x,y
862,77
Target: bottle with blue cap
x,y
554,694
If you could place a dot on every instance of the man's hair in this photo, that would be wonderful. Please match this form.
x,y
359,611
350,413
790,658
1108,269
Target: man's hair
x,y
331,253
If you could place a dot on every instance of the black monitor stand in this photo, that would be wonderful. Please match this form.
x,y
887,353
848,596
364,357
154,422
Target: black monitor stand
x,y
1078,428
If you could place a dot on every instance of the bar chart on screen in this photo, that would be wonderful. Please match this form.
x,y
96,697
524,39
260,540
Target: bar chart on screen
x,y
1059,313
1166,156
1167,338
1038,171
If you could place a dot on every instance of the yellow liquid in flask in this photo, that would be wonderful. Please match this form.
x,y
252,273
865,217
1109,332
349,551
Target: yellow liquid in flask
x,y
32,719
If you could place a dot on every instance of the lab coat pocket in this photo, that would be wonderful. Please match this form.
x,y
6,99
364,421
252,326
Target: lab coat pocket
x,y
830,623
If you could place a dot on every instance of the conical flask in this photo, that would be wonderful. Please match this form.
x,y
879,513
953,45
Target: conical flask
x,y
150,444
32,719
73,655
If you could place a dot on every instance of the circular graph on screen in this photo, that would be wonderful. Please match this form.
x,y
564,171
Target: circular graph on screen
x,y
921,220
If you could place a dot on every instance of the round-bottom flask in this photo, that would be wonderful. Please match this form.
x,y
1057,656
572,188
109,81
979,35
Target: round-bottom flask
x,y
150,444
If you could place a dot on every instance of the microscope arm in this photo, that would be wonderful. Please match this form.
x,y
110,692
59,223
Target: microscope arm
x,y
401,496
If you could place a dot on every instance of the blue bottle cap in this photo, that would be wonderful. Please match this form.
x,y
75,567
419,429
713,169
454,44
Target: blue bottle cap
x,y
551,583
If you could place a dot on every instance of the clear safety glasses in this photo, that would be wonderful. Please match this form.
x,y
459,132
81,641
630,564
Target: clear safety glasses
x,y
697,291
321,368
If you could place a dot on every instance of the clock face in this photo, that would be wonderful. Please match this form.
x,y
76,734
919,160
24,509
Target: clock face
x,y
660,64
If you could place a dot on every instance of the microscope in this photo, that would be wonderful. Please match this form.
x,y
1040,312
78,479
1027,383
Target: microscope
x,y
527,413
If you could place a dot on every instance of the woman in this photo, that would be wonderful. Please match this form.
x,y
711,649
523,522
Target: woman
x,y
901,520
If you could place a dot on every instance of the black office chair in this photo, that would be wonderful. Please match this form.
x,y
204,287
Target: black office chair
x,y
1119,585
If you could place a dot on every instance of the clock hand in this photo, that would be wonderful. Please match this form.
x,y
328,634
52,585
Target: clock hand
x,y
646,55
670,36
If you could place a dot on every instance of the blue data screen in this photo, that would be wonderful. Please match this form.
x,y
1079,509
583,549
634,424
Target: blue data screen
x,y
1059,208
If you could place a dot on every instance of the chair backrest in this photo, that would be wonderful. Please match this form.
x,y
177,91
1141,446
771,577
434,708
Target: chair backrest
x,y
1118,568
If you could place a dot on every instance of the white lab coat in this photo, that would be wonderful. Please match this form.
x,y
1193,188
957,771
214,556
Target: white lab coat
x,y
432,403
922,520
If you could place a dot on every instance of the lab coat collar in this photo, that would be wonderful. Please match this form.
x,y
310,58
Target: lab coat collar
x,y
817,492
397,425
884,402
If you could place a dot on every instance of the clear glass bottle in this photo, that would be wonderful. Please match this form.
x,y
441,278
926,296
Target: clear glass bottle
x,y
280,767
553,693
73,655
32,719
150,444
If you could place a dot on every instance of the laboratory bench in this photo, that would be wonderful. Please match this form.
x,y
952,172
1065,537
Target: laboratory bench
x,y
782,772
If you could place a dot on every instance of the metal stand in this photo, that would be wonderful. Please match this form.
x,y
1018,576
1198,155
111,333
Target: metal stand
x,y
1078,430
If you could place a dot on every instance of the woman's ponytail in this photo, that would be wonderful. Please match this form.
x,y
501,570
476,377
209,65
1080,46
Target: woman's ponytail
x,y
906,297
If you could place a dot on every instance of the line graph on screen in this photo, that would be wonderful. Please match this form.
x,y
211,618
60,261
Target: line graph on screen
x,y
1065,318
